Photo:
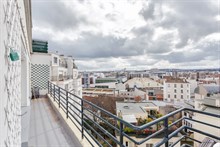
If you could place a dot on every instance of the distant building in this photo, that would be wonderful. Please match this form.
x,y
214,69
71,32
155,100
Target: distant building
x,y
95,92
138,75
104,83
133,93
86,79
203,91
142,83
145,88
176,89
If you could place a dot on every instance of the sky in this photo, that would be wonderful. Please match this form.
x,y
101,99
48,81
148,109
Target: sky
x,y
131,34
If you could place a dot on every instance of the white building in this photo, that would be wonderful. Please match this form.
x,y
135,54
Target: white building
x,y
211,105
56,68
205,90
15,48
176,90
142,83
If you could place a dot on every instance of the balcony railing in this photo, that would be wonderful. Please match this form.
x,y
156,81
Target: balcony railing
x,y
104,127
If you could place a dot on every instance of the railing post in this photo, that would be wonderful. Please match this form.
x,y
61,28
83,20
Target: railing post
x,y
67,101
82,117
59,97
54,92
185,121
121,135
166,132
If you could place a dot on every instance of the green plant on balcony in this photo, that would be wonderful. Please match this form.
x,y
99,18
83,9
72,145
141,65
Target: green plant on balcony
x,y
141,121
158,115
128,130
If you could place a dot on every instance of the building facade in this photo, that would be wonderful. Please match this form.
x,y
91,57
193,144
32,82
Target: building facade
x,y
176,90
16,45
58,69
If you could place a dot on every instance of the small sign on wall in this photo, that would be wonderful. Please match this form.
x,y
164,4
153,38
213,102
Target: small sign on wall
x,y
13,55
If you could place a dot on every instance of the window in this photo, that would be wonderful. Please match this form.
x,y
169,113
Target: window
x,y
149,145
181,85
181,96
174,96
126,144
174,90
181,91
55,60
168,85
175,85
66,87
168,95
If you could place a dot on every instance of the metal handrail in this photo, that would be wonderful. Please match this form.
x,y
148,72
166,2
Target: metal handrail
x,y
65,99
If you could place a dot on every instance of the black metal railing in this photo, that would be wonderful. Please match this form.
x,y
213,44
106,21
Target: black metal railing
x,y
107,129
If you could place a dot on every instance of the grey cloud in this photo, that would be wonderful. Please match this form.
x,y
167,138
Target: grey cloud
x,y
148,11
140,62
56,15
144,30
205,51
112,16
96,46
193,19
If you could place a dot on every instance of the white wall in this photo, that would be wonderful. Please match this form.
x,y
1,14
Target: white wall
x,y
10,76
205,128
169,90
25,82
193,85
41,58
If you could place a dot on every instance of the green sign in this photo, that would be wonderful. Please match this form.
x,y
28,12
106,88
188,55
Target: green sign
x,y
14,56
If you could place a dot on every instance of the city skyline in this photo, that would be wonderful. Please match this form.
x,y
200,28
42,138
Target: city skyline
x,y
131,34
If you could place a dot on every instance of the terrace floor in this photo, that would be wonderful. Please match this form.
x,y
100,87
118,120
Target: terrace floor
x,y
47,129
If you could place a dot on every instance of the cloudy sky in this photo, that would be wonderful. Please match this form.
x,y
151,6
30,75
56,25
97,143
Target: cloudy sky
x,y
131,34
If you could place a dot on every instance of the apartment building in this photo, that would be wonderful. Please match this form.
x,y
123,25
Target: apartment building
x,y
15,46
176,89
59,69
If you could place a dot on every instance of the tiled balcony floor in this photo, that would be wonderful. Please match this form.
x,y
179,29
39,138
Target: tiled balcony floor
x,y
46,129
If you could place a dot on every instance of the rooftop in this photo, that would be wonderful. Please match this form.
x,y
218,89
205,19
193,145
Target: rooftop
x,y
175,80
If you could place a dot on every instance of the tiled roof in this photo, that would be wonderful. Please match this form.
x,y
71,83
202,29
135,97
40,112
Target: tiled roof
x,y
176,80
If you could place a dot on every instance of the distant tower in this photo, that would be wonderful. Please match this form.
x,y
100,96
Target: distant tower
x,y
197,76
174,73
86,80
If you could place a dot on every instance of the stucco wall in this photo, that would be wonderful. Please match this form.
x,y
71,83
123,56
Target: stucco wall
x,y
207,119
40,71
13,35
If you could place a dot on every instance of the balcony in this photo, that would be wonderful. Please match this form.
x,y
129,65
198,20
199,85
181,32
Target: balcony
x,y
101,128
46,127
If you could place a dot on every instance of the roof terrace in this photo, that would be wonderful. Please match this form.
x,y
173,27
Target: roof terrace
x,y
106,129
